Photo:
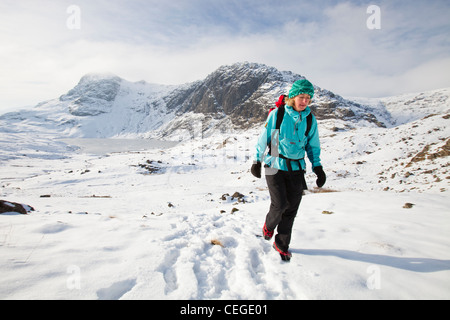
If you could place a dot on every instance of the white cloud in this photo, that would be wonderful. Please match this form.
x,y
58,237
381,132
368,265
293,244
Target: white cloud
x,y
180,42
434,74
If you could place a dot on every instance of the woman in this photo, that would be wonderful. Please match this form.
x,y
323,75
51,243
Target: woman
x,y
285,164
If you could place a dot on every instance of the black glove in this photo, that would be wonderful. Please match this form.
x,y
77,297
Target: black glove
x,y
321,177
256,169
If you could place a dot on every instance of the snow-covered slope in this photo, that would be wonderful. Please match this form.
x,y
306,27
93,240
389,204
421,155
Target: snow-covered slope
x,y
100,106
398,110
141,225
410,154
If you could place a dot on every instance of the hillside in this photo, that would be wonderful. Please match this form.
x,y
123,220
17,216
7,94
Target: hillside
x,y
183,223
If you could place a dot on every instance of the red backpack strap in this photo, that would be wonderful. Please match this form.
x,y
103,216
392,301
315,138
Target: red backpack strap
x,y
280,101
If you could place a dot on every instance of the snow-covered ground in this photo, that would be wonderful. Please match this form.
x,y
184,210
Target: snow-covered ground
x,y
140,224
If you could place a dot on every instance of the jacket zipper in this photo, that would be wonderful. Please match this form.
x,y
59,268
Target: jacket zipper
x,y
296,122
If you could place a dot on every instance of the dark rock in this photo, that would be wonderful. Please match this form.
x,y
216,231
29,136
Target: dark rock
x,y
8,206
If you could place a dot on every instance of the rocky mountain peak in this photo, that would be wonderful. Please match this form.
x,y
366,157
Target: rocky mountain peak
x,y
94,94
245,92
241,91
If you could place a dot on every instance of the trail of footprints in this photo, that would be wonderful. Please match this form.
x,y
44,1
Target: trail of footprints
x,y
193,268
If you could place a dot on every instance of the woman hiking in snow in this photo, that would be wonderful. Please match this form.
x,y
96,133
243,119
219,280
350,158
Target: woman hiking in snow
x,y
290,132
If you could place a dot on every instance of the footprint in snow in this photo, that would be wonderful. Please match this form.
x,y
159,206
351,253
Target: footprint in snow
x,y
116,290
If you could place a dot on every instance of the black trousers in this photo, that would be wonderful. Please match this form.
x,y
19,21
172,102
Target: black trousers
x,y
285,189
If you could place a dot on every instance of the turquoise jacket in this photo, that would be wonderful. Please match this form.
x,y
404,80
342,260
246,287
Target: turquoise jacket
x,y
291,140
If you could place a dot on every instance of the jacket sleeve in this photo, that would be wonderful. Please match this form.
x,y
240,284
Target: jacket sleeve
x,y
313,144
265,136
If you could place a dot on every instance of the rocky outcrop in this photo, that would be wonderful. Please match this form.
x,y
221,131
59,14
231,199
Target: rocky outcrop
x,y
8,206
245,92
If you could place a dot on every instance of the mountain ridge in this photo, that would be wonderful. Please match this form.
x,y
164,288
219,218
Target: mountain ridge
x,y
233,97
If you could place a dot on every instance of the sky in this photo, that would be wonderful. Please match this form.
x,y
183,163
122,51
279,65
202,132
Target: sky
x,y
353,48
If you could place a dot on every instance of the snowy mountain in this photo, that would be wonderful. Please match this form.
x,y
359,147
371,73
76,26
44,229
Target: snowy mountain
x,y
100,106
231,98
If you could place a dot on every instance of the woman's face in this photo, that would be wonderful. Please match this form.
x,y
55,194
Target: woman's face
x,y
301,102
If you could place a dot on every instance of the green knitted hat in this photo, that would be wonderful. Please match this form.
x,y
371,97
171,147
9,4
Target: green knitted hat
x,y
301,86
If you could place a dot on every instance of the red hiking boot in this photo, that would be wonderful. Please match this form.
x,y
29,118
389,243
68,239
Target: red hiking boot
x,y
285,255
267,233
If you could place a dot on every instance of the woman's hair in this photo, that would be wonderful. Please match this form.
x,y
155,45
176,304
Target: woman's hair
x,y
289,101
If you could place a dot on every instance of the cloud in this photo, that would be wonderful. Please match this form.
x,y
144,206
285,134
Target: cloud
x,y
182,41
430,75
